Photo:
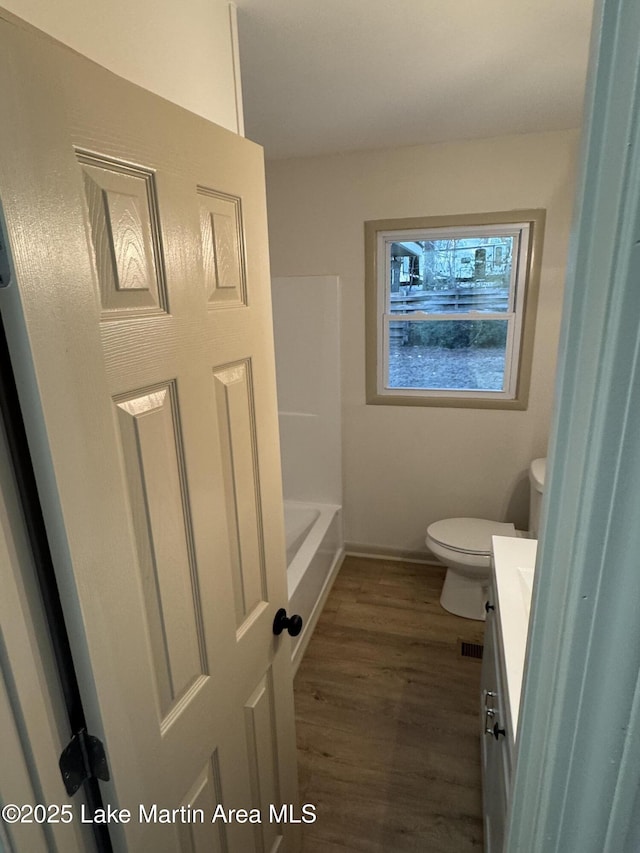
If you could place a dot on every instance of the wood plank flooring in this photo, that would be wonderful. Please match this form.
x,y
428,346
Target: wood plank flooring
x,y
387,716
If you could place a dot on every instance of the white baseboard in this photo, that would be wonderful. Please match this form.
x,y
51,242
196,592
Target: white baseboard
x,y
382,552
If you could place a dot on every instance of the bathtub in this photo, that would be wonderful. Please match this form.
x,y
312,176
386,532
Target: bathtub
x,y
314,554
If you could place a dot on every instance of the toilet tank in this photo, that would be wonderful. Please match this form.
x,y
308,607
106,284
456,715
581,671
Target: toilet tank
x,y
537,471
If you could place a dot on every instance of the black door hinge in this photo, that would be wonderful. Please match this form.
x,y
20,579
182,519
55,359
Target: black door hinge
x,y
83,758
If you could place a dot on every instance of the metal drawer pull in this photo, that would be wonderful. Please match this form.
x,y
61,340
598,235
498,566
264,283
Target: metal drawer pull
x,y
489,714
489,694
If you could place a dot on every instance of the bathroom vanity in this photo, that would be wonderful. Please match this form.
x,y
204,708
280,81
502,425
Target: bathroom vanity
x,y
508,607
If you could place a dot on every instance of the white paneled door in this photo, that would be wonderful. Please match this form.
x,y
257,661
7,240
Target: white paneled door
x,y
138,318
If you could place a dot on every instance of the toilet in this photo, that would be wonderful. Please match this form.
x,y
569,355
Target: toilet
x,y
464,546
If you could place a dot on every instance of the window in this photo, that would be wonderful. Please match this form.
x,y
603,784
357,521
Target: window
x,y
450,309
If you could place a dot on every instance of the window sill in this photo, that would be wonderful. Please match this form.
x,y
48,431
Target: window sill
x,y
444,402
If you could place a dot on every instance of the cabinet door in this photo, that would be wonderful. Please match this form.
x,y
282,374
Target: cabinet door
x,y
494,777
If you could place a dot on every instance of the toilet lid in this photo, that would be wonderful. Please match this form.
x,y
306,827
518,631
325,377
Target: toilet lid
x,y
468,535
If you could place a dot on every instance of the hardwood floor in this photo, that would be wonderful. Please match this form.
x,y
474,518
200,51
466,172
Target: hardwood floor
x,y
387,717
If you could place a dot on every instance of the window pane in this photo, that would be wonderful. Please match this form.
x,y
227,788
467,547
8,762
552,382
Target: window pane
x,y
453,355
450,276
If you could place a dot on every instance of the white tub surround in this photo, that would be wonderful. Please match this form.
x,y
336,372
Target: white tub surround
x,y
306,322
314,557
306,328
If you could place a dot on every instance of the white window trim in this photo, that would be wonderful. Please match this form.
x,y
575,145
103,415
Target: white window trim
x,y
526,227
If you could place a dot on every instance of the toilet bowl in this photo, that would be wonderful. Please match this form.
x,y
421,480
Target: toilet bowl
x,y
464,546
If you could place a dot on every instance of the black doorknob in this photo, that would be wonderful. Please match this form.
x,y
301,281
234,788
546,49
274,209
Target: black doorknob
x,y
488,606
293,624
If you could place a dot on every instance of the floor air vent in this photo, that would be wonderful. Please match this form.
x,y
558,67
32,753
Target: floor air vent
x,y
471,650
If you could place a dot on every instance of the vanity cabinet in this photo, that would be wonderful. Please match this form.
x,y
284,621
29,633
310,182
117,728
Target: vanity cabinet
x,y
503,662
496,739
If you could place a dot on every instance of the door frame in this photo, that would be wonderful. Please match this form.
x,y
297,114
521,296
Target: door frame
x,y
34,656
578,767
62,699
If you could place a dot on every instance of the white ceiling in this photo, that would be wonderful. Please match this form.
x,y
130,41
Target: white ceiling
x,y
321,76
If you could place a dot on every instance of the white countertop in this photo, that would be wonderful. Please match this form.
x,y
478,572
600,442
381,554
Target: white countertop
x,y
513,566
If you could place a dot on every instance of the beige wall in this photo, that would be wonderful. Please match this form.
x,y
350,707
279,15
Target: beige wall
x,y
405,467
183,51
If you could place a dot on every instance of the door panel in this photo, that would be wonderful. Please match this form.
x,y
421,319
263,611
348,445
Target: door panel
x,y
222,248
123,213
140,327
206,794
235,411
263,759
154,459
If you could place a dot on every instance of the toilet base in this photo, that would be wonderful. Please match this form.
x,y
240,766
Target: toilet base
x,y
464,596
